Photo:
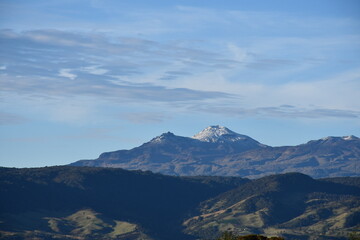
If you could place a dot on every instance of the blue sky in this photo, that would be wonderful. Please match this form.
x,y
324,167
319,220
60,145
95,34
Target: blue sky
x,y
81,77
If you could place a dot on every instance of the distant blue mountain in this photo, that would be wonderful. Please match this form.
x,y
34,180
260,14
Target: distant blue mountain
x,y
219,151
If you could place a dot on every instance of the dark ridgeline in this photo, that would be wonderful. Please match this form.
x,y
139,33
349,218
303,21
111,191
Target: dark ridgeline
x,y
156,202
49,203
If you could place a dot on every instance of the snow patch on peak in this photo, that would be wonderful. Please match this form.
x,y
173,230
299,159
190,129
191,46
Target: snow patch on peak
x,y
218,134
162,137
351,137
346,138
327,138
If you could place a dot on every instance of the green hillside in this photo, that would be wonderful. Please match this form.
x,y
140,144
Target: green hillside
x,y
82,224
291,205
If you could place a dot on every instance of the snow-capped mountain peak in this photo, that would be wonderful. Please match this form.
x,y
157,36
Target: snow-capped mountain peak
x,y
218,134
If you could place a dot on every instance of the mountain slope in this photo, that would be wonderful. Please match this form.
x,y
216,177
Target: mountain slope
x,y
106,203
219,151
50,200
327,157
81,224
175,155
292,205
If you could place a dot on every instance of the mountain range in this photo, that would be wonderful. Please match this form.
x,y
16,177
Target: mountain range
x,y
218,151
86,203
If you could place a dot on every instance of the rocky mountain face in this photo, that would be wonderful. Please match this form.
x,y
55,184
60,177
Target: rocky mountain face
x,y
219,151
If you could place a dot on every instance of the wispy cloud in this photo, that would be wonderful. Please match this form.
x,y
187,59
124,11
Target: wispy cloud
x,y
67,73
39,60
284,111
145,117
250,62
11,119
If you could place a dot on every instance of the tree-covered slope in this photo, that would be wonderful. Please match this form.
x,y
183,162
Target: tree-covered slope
x,y
111,203
154,203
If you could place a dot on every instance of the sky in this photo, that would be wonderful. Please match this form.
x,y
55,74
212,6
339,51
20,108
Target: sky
x,y
82,77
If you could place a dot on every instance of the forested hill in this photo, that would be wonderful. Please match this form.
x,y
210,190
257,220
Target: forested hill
x,y
155,203
112,203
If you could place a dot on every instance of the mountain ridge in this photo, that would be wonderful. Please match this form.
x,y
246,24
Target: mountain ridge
x,y
217,150
47,197
286,205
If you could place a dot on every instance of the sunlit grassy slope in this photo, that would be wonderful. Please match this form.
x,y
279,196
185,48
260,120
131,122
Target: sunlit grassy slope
x,y
291,205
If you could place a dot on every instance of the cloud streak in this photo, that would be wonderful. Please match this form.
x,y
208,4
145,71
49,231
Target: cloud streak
x,y
11,119
284,111
144,117
256,72
38,61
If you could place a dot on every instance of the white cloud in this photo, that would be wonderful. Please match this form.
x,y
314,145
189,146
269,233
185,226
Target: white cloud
x,y
67,74
96,70
239,54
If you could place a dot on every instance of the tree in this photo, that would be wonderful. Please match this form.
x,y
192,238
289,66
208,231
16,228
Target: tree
x,y
231,236
354,236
